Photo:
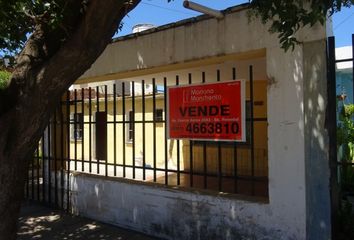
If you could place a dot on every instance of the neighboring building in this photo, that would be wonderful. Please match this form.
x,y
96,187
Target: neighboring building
x,y
273,186
344,73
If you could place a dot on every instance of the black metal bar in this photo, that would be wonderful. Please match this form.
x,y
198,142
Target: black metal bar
x,y
55,152
235,147
190,147
219,167
203,77
252,126
132,122
178,153
154,124
143,128
75,128
218,79
345,163
43,170
353,67
331,125
205,163
27,181
344,60
178,164
68,150
32,176
49,167
257,119
37,163
97,111
106,112
83,129
115,128
123,135
148,121
248,178
90,131
62,154
165,128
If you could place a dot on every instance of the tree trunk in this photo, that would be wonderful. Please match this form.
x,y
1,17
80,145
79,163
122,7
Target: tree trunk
x,y
13,165
37,84
10,200
12,178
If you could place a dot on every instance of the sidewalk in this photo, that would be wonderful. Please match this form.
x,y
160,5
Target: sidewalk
x,y
39,222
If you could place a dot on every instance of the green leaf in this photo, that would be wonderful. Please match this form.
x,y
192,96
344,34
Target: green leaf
x,y
4,78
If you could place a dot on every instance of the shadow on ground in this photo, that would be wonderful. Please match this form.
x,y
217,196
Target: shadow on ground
x,y
38,222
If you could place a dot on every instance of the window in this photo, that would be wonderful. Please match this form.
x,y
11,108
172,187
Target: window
x,y
158,115
130,135
76,126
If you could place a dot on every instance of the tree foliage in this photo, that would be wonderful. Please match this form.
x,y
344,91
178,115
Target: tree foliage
x,y
288,16
4,78
19,18
345,142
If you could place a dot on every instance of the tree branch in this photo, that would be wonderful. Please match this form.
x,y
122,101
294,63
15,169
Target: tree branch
x,y
45,83
90,39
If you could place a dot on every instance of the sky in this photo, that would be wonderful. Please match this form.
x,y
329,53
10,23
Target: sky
x,y
160,12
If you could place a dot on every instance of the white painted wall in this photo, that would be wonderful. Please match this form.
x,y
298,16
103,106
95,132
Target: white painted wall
x,y
174,214
286,139
185,42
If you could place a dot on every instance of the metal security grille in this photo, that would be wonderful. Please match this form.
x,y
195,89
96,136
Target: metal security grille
x,y
340,167
119,130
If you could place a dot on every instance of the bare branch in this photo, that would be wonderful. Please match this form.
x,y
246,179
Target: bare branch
x,y
37,19
28,14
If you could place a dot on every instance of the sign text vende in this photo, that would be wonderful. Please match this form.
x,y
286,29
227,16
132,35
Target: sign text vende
x,y
211,112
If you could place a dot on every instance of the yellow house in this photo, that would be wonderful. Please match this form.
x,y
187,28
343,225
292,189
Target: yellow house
x,y
123,133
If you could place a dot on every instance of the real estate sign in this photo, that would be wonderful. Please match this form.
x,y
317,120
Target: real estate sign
x,y
210,112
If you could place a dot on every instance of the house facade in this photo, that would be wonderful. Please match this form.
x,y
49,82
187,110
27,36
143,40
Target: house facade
x,y
125,171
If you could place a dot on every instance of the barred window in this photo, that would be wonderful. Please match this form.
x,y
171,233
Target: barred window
x,y
76,126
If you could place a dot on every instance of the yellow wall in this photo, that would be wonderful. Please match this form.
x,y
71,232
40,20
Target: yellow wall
x,y
243,153
124,143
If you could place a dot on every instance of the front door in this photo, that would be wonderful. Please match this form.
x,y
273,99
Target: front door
x,y
101,136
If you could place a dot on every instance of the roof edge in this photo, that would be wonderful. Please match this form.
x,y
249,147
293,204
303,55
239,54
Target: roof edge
x,y
199,18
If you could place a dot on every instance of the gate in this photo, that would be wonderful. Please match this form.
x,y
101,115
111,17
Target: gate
x,y
338,123
119,130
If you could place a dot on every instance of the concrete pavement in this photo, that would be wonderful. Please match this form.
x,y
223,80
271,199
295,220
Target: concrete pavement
x,y
39,222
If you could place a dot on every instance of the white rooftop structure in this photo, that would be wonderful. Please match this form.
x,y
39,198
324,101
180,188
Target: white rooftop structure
x,y
344,53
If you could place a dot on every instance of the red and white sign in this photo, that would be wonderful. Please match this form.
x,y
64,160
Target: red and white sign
x,y
210,112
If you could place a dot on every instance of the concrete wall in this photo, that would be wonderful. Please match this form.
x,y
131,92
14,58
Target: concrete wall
x,y
316,142
189,40
172,213
298,163
286,140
